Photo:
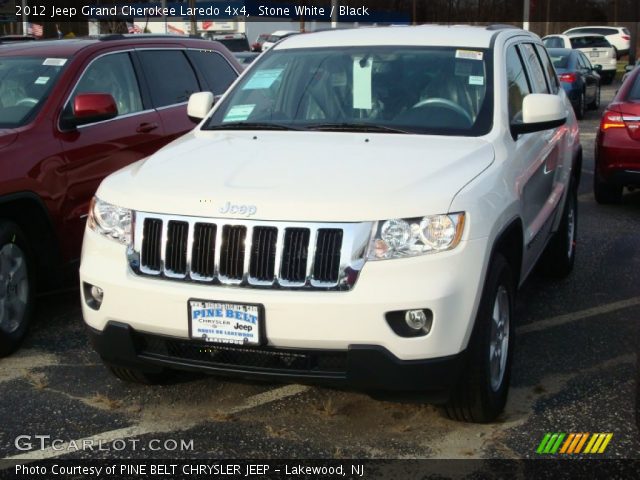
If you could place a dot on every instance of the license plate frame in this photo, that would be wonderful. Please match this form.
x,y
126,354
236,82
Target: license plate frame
x,y
221,325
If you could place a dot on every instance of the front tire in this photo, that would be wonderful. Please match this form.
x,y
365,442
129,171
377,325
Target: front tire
x,y
606,193
481,392
16,286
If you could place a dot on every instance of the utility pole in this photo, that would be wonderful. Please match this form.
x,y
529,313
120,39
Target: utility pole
x,y
194,25
414,11
25,19
334,16
525,14
164,17
634,37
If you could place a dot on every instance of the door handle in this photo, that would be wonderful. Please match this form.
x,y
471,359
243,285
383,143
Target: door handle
x,y
146,127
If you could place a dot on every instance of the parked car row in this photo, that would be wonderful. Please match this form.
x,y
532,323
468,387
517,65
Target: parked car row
x,y
595,47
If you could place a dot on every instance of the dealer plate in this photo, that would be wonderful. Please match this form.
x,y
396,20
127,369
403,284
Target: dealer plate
x,y
221,322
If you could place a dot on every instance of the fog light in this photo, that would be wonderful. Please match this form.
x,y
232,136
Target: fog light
x,y
410,323
97,294
93,295
416,319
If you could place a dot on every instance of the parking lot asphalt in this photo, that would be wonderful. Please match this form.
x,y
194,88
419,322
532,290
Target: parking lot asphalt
x,y
574,371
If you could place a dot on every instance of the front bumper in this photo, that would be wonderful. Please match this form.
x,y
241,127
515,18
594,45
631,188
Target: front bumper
x,y
366,367
351,323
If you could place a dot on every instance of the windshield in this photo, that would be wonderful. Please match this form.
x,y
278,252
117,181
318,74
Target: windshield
x,y
24,85
410,89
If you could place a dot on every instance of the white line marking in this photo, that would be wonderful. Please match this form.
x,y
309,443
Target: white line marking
x,y
138,430
580,315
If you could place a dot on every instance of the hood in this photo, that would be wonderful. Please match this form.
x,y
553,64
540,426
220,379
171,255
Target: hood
x,y
301,176
7,137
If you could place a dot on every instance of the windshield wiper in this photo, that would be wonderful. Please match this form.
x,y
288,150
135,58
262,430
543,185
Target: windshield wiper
x,y
252,126
355,127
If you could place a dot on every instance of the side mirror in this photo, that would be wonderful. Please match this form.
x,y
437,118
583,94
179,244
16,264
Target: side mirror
x,y
199,105
93,107
597,67
540,111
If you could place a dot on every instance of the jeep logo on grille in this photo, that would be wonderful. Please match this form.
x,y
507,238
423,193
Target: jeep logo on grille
x,y
246,210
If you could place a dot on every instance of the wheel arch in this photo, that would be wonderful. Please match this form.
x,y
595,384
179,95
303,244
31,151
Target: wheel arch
x,y
28,211
510,243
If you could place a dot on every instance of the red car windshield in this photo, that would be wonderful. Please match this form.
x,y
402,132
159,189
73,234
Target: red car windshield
x,y
24,85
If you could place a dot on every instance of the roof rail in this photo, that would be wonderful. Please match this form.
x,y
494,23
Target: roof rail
x,y
122,36
500,26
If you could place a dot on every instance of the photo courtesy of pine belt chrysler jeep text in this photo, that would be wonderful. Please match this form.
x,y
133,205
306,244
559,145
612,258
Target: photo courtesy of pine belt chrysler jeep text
x,y
358,209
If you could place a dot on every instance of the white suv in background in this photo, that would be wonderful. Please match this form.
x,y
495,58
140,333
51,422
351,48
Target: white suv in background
x,y
359,209
619,37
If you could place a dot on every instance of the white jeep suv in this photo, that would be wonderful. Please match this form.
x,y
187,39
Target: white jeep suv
x,y
358,209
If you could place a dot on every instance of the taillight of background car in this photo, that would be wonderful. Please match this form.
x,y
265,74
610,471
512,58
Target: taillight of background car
x,y
568,77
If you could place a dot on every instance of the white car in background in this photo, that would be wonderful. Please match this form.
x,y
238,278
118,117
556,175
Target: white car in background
x,y
275,37
619,37
596,47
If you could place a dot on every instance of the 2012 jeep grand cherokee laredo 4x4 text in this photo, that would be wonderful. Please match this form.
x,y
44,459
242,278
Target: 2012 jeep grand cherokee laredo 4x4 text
x,y
359,208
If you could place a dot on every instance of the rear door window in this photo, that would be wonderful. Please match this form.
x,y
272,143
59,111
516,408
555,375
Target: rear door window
x,y
170,77
551,73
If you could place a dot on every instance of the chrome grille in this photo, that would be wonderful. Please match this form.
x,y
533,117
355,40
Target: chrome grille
x,y
249,253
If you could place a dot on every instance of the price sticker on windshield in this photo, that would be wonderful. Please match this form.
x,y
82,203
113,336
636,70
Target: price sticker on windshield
x,y
469,54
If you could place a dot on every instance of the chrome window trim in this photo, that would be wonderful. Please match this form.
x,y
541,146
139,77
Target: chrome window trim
x,y
356,238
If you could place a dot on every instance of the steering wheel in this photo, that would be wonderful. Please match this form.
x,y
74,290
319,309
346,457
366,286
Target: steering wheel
x,y
446,103
29,102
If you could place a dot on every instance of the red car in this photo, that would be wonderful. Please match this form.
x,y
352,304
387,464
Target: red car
x,y
72,112
618,143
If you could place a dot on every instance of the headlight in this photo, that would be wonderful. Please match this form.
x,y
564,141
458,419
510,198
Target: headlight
x,y
408,237
109,220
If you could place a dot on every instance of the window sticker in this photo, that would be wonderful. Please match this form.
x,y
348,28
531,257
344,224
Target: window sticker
x,y
238,113
469,54
476,80
362,83
54,62
41,80
263,79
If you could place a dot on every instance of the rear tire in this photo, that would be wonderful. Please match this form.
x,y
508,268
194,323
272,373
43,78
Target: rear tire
x,y
560,254
580,107
481,392
131,375
595,105
17,286
606,193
